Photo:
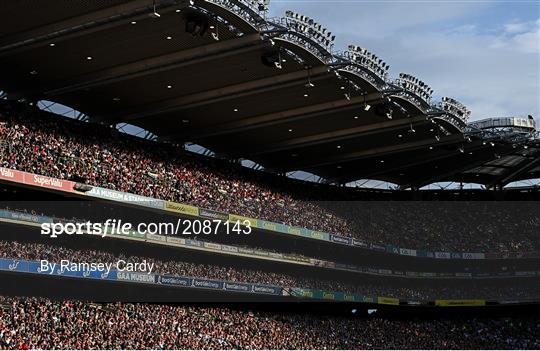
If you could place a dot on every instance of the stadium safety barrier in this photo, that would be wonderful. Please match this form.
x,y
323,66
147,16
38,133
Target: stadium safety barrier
x,y
193,211
34,267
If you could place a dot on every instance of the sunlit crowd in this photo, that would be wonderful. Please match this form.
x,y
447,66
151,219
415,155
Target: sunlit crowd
x,y
36,323
101,156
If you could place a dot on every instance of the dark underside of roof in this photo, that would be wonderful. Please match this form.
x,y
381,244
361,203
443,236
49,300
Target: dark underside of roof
x,y
116,64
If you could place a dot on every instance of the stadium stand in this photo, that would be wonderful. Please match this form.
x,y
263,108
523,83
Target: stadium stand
x,y
36,323
420,289
224,75
41,145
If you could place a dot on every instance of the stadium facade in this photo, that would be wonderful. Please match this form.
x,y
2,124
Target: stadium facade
x,y
275,91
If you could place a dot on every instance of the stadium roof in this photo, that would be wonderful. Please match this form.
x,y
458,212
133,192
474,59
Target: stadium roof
x,y
217,73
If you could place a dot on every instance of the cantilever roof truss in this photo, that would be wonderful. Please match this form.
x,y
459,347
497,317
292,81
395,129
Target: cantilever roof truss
x,y
117,64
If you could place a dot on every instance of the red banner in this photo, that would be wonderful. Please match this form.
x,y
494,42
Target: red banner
x,y
48,182
35,180
11,175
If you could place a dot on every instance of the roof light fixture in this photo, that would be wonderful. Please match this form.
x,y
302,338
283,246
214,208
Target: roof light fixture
x,y
154,13
415,86
367,61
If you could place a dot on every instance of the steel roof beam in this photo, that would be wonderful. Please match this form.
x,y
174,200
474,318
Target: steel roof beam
x,y
287,116
407,164
161,63
84,24
509,177
380,151
345,134
453,172
226,93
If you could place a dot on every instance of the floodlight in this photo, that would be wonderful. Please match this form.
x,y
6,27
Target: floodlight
x,y
455,108
367,60
154,14
415,86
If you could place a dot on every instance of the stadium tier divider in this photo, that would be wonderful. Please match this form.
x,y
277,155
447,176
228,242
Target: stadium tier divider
x,y
85,190
15,217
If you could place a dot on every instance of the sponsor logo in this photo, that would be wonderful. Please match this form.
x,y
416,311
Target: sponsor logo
x,y
295,231
245,251
155,237
348,297
387,301
407,252
263,289
508,302
213,214
275,255
212,246
208,284
178,241
125,197
24,217
7,173
460,302
306,293
328,296
463,274
229,248
48,182
240,219
174,281
377,247
136,277
181,208
341,240
269,226
237,287
359,243
318,235
442,255
13,266
194,243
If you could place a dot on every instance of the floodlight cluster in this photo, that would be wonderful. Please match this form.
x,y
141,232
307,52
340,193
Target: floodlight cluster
x,y
415,86
455,108
369,61
258,5
312,36
250,10
307,26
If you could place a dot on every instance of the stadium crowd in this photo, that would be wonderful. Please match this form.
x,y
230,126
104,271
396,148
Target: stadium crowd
x,y
36,323
102,156
423,289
